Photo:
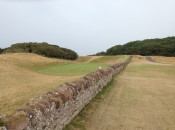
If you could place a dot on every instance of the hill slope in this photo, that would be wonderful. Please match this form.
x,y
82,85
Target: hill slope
x,y
26,75
18,84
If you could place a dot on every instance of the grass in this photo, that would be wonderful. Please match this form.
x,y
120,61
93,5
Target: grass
x,y
19,84
141,97
149,68
161,59
110,59
83,67
78,123
86,58
24,76
70,69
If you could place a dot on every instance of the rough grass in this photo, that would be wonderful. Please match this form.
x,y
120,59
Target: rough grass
x,y
141,98
18,84
109,59
87,58
24,76
162,59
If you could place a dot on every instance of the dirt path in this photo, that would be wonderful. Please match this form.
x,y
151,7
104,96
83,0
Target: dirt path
x,y
142,98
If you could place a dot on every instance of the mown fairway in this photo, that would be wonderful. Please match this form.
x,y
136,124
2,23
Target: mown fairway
x,y
140,98
24,76
82,66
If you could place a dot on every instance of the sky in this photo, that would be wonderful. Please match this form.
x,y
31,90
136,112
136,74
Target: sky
x,y
86,26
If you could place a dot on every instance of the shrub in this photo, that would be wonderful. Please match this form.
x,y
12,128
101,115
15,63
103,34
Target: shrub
x,y
43,49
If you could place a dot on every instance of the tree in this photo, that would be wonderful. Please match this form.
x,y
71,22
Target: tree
x,y
1,50
163,47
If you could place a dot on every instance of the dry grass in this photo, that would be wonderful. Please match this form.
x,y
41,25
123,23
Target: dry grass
x,y
139,59
87,58
142,98
28,59
109,59
102,59
18,84
162,59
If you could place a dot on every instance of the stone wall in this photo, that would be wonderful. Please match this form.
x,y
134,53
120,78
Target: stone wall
x,y
56,108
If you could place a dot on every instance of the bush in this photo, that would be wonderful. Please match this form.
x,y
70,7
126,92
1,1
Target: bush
x,y
43,49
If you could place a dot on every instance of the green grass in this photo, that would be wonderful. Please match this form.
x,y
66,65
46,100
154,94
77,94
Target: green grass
x,y
78,68
69,69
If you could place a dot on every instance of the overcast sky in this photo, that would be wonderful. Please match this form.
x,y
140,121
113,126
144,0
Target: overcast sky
x,y
86,26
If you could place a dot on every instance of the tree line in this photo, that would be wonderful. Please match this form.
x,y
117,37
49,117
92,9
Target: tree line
x,y
44,49
157,47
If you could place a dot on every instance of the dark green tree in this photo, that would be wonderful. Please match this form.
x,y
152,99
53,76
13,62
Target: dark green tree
x,y
162,47
1,50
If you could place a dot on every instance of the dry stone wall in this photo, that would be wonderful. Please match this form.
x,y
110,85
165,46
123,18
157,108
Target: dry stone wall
x,y
56,108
